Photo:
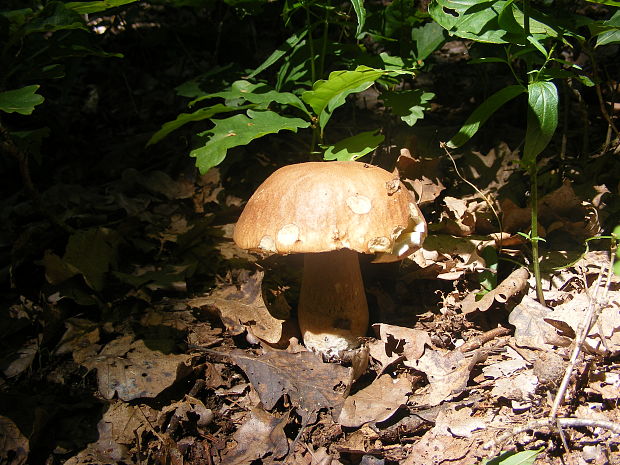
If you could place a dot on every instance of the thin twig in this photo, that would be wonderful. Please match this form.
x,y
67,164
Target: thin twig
x,y
550,423
586,325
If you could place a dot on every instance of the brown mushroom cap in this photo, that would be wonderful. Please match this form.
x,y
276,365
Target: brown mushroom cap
x,y
324,206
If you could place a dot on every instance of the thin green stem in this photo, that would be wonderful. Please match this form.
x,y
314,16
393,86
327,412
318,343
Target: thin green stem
x,y
534,233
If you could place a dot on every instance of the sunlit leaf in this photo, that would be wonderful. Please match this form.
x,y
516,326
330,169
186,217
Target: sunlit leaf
x,y
85,8
526,457
360,12
184,118
21,100
327,95
354,147
427,38
240,130
280,52
542,119
483,112
605,2
260,94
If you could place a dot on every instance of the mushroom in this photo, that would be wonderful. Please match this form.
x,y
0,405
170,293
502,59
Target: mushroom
x,y
330,211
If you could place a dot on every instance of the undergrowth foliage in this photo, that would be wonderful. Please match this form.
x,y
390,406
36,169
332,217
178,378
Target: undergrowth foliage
x,y
118,248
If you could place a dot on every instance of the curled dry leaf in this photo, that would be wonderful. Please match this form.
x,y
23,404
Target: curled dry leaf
x,y
310,383
448,257
242,306
513,285
131,370
376,402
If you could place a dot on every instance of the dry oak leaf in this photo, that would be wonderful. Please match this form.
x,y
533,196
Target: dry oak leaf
x,y
121,425
261,435
131,370
422,175
376,402
460,423
447,373
515,284
398,341
310,383
531,330
243,305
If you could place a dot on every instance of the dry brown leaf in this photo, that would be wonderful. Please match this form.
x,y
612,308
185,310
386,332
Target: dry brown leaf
x,y
131,370
530,328
243,305
423,176
447,375
261,435
460,423
442,450
118,429
520,387
448,257
406,342
515,284
20,360
15,446
375,403
310,383
558,210
458,220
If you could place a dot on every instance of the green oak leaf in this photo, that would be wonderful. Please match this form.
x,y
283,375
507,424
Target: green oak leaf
x,y
354,147
240,130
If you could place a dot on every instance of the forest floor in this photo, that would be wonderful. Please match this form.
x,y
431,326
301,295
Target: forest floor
x,y
135,331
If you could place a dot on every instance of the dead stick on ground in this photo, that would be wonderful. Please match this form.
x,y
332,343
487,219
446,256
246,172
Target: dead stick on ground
x,y
589,320
551,423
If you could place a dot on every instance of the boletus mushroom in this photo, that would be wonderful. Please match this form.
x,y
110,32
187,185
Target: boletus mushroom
x,y
331,211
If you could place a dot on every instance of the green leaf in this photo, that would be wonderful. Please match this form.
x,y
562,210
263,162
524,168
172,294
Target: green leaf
x,y
526,457
21,100
54,17
184,118
409,105
240,130
606,32
85,8
542,119
483,112
427,38
280,52
470,19
327,95
260,94
360,12
605,2
354,147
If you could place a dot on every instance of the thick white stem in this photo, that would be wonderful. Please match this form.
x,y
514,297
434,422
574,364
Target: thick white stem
x,y
332,311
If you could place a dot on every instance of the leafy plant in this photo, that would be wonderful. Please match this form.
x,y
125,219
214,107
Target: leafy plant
x,y
531,39
299,97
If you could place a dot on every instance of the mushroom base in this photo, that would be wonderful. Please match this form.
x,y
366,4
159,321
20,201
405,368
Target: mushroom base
x,y
332,310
